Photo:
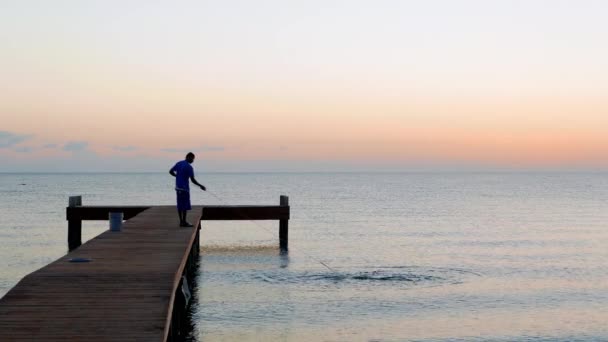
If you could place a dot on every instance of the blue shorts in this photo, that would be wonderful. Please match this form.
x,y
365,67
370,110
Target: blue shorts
x,y
183,200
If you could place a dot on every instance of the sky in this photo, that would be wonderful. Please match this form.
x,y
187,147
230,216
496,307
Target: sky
x,y
311,85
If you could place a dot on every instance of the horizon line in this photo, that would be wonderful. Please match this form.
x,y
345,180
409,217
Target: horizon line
x,y
554,170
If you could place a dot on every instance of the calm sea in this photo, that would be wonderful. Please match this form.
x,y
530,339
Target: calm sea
x,y
410,256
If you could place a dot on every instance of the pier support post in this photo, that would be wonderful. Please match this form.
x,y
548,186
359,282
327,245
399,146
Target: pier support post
x,y
284,226
74,225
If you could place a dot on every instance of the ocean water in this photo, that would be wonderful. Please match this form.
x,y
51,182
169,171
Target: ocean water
x,y
373,257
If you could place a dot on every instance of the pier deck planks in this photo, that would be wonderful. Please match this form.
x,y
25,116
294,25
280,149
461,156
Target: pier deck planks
x,y
123,294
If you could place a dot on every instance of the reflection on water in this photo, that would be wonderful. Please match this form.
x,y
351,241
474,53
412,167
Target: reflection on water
x,y
410,256
255,293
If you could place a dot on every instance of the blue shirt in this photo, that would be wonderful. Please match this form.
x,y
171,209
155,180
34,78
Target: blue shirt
x,y
184,171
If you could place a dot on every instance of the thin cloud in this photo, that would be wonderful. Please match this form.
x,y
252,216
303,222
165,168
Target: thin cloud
x,y
50,146
125,148
75,146
23,149
9,139
174,150
213,148
193,150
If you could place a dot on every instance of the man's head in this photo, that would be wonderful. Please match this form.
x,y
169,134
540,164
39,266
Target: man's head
x,y
190,157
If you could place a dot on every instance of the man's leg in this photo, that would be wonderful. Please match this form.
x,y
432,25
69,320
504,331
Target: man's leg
x,y
180,214
184,221
187,206
183,205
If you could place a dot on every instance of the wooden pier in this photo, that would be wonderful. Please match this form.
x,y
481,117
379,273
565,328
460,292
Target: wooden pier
x,y
131,285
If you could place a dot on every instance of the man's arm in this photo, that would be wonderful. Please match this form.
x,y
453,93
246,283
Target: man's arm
x,y
197,183
172,172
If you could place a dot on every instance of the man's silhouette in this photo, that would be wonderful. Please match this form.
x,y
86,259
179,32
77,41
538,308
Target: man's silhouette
x,y
183,173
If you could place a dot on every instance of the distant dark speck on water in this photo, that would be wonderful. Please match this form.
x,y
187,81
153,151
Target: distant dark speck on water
x,y
22,184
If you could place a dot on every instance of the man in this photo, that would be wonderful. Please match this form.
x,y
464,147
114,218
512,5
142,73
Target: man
x,y
183,173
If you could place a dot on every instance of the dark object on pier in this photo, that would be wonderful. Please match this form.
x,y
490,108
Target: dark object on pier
x,y
80,260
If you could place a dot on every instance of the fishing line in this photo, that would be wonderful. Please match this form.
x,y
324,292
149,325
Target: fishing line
x,y
269,232
310,256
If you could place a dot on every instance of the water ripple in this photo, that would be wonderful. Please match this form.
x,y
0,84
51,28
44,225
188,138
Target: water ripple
x,y
410,275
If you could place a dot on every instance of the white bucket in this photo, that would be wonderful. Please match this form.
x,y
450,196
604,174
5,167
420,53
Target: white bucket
x,y
115,221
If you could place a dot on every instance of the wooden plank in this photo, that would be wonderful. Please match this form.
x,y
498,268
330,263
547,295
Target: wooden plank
x,y
124,293
100,213
210,212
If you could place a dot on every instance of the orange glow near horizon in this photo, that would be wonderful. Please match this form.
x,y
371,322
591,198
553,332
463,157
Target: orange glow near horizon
x,y
534,135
